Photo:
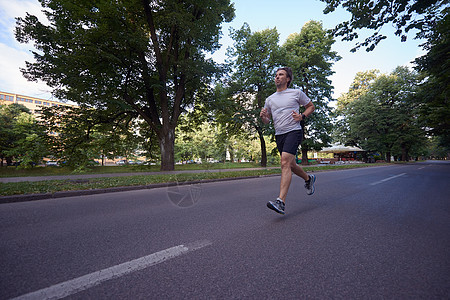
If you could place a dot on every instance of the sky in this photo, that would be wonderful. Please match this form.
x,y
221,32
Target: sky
x,y
286,16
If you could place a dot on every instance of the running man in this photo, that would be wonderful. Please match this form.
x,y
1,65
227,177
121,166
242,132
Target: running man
x,y
283,107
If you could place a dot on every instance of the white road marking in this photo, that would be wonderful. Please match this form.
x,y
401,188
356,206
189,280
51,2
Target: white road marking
x,y
85,282
386,179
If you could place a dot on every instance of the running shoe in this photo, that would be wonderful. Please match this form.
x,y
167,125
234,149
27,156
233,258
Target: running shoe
x,y
277,206
309,185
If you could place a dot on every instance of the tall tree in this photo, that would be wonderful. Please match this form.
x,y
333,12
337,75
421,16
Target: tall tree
x,y
256,56
8,113
309,55
21,137
77,135
148,56
384,117
435,91
404,15
360,86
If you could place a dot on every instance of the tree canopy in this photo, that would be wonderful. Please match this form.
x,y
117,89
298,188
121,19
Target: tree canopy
x,y
435,90
21,137
381,115
311,58
255,57
404,15
141,65
145,56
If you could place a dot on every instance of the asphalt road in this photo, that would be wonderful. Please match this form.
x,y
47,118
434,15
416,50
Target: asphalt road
x,y
371,233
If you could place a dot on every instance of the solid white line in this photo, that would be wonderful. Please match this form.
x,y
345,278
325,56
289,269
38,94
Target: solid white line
x,y
386,179
85,282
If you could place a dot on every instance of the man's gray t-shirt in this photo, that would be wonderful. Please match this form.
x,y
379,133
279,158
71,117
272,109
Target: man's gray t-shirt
x,y
281,104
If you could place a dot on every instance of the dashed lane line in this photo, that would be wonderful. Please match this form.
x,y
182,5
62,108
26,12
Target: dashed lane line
x,y
87,281
387,179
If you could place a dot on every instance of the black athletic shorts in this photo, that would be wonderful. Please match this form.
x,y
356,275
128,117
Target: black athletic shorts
x,y
289,142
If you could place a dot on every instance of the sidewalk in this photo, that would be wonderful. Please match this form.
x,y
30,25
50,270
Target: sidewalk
x,y
32,197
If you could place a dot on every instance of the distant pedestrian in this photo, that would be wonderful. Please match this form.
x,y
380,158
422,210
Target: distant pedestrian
x,y
283,107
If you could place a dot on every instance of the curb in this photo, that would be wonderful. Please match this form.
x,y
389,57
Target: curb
x,y
64,194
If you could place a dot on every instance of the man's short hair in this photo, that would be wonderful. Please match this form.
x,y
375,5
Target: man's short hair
x,y
288,72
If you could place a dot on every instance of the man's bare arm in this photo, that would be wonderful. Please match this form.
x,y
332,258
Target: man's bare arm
x,y
309,108
265,116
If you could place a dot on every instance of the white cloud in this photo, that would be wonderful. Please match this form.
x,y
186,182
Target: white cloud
x,y
15,54
12,80
18,8
10,10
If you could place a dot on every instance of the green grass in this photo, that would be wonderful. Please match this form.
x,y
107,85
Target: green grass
x,y
52,186
50,171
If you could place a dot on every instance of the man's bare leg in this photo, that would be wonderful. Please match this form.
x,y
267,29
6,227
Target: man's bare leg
x,y
289,166
299,171
309,180
287,160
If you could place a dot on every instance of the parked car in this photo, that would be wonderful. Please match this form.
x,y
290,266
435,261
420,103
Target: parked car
x,y
121,162
18,163
51,163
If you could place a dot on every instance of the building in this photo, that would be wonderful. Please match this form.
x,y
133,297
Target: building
x,y
33,104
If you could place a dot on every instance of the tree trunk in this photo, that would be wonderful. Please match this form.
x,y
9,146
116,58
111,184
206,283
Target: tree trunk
x,y
260,131
404,153
305,157
263,149
304,146
167,146
388,156
231,152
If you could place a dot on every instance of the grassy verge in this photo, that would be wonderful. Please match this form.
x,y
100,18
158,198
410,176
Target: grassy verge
x,y
52,186
50,171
